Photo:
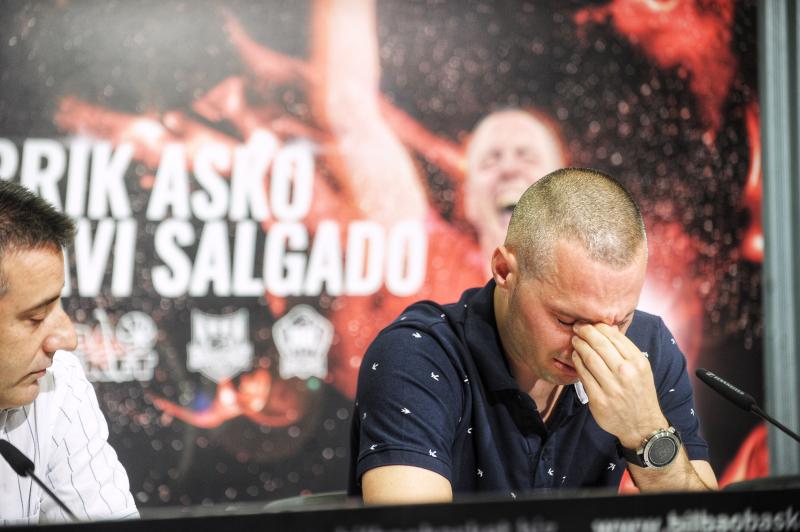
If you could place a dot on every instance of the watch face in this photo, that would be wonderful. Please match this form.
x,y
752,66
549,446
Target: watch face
x,y
662,450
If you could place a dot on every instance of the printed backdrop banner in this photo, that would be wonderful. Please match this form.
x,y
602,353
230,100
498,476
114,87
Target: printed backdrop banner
x,y
259,187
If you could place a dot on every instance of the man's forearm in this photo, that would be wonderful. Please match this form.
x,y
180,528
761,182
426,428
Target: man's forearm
x,y
681,475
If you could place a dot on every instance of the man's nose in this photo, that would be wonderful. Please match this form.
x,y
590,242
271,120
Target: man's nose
x,y
63,335
511,164
508,163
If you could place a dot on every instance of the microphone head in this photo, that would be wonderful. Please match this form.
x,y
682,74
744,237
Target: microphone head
x,y
726,389
20,463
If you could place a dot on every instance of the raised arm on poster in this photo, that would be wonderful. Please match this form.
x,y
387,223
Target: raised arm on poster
x,y
269,67
380,173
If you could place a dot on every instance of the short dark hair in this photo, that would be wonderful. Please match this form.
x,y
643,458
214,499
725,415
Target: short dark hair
x,y
28,222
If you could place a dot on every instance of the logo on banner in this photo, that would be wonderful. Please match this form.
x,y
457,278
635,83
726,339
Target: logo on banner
x,y
220,348
303,337
118,354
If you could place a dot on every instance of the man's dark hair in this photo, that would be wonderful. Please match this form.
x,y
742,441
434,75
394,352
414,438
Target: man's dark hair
x,y
29,222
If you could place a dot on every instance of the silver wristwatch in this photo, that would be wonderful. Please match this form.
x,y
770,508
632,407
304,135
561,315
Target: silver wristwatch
x,y
657,450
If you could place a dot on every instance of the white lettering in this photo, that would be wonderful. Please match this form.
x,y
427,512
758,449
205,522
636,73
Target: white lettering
x,y
364,267
91,255
172,279
108,181
244,250
171,187
43,164
77,177
9,159
211,203
212,262
292,182
124,258
283,270
325,261
66,290
406,258
247,182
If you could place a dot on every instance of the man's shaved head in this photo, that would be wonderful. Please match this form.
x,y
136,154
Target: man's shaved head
x,y
575,205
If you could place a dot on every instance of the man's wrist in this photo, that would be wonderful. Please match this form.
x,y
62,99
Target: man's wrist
x,y
635,439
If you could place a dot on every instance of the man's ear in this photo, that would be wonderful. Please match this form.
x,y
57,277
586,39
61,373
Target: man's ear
x,y
504,267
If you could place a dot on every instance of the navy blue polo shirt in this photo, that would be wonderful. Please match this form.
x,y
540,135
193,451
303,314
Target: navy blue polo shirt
x,y
435,391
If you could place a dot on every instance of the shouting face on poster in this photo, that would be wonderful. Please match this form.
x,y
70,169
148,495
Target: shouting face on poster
x,y
508,151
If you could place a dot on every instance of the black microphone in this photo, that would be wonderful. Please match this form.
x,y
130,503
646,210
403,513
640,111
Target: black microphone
x,y
726,389
23,467
739,398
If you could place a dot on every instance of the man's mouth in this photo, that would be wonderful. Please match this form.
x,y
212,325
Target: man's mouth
x,y
564,366
504,212
38,373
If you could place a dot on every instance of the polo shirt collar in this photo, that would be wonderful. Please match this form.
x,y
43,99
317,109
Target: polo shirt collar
x,y
483,339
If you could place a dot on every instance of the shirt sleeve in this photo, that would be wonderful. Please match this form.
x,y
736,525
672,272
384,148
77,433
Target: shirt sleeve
x,y
675,394
84,470
409,403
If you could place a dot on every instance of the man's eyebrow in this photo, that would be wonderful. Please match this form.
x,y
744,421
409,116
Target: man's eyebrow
x,y
566,314
41,304
580,318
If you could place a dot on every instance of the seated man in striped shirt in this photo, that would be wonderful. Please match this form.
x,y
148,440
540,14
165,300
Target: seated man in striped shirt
x,y
48,409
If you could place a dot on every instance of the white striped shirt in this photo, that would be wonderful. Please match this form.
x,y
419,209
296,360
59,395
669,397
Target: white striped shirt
x,y
65,434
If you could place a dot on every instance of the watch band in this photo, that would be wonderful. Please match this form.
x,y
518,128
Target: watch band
x,y
656,451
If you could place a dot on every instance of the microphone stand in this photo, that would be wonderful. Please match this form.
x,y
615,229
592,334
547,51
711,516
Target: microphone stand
x,y
763,415
53,496
23,467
